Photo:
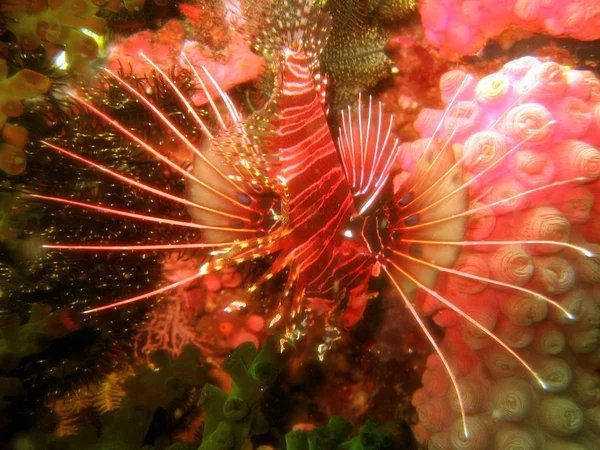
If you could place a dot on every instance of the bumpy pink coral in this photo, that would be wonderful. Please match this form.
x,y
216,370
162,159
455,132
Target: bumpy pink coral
x,y
233,65
462,27
527,138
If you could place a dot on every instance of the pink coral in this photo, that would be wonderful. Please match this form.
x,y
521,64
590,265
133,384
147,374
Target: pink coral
x,y
528,144
230,66
162,47
171,323
211,314
463,27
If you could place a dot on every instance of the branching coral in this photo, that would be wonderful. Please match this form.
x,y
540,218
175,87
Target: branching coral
x,y
102,397
168,328
212,314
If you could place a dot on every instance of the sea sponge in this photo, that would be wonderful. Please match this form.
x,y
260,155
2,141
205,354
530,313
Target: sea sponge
x,y
22,85
463,27
533,179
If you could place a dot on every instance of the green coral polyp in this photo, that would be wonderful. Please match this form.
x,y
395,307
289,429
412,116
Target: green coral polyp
x,y
236,415
235,409
336,436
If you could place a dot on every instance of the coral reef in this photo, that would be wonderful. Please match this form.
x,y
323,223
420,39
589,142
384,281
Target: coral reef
x,y
528,141
120,413
154,400
525,139
29,274
463,27
213,313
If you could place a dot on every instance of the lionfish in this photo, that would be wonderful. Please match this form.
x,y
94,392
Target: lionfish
x,y
275,185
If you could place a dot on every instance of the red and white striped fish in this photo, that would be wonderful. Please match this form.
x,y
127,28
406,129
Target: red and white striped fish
x,y
271,183
275,183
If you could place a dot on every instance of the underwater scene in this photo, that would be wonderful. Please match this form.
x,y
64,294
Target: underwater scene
x,y
299,224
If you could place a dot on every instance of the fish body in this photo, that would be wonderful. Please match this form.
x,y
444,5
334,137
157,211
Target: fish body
x,y
275,183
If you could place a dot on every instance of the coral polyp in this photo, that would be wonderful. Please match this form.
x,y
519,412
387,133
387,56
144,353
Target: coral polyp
x,y
530,279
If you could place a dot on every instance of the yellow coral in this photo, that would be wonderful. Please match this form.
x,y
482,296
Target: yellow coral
x,y
103,397
20,86
59,25
111,391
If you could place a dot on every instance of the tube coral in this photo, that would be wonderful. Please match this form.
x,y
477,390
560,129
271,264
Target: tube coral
x,y
230,419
